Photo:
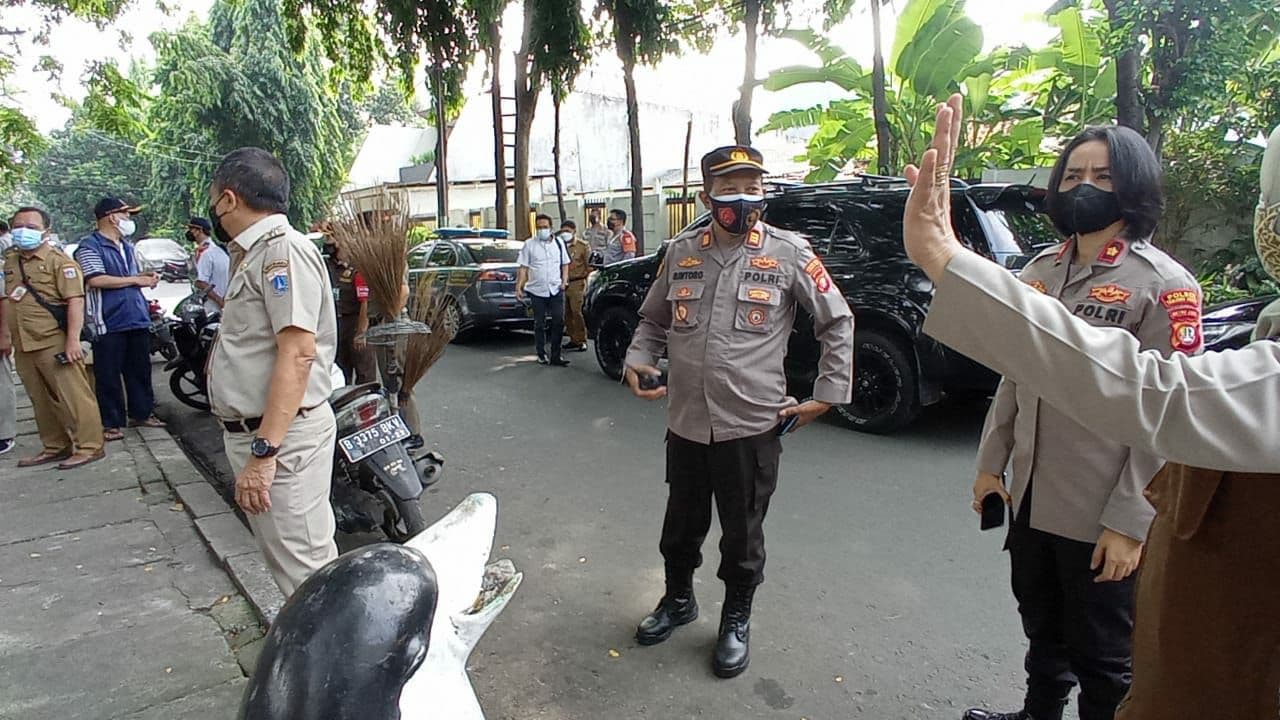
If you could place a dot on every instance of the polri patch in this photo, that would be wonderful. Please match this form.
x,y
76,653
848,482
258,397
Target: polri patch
x,y
759,295
689,262
1186,336
278,279
1183,297
764,262
757,317
1038,286
682,312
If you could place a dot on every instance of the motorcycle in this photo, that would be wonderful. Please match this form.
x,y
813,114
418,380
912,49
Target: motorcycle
x,y
161,335
377,481
193,332
175,271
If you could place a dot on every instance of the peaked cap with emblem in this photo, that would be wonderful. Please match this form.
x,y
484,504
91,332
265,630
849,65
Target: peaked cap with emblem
x,y
731,158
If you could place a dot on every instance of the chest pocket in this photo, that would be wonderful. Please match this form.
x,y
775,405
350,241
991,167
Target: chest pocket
x,y
233,313
686,299
757,307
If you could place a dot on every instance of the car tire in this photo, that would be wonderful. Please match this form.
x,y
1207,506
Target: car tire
x,y
617,326
886,393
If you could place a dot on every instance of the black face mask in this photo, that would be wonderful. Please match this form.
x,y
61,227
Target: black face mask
x,y
191,237
219,232
737,213
1085,209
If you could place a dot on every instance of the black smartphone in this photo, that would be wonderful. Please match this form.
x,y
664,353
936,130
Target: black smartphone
x,y
62,358
653,382
992,511
788,425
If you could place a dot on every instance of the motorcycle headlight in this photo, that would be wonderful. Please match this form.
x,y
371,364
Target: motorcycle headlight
x,y
362,413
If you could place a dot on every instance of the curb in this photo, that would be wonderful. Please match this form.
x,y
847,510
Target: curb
x,y
222,531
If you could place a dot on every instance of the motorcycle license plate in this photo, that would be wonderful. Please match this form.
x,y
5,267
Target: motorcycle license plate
x,y
372,439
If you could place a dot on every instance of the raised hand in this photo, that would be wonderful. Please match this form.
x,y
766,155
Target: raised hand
x,y
926,230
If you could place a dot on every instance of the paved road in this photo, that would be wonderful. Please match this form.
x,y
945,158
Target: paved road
x,y
882,601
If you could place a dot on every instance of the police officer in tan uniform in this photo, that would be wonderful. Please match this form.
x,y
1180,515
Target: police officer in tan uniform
x,y
575,292
1206,637
351,303
40,281
1080,517
269,369
722,306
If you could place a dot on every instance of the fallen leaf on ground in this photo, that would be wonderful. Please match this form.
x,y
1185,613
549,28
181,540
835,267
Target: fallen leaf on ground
x,y
614,653
177,507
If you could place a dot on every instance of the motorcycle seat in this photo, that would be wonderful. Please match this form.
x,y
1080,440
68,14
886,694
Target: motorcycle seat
x,y
345,395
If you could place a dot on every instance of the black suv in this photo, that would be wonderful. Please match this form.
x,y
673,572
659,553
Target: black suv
x,y
856,228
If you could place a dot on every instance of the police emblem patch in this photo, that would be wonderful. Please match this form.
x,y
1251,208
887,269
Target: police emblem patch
x,y
1110,293
756,317
764,262
1038,286
278,279
682,312
759,295
689,262
684,292
818,273
1186,297
1186,336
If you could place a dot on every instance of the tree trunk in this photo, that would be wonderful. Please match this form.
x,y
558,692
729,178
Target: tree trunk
x,y
555,157
494,51
879,103
626,51
442,146
526,106
742,111
1129,112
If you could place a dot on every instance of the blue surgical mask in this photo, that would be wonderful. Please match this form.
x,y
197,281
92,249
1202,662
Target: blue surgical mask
x,y
27,238
544,233
126,227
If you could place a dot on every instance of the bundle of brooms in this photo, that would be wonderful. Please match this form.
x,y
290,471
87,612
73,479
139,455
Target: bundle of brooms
x,y
376,243
430,307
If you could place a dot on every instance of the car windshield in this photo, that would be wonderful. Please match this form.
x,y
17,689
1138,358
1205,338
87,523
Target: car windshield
x,y
1016,232
493,252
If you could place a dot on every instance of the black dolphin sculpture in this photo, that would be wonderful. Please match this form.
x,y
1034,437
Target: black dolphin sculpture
x,y
347,641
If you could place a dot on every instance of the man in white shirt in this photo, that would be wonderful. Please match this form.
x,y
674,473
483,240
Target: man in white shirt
x,y
213,267
543,275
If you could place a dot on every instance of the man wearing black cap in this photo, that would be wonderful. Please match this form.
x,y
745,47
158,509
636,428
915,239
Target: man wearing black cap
x,y
722,306
213,267
119,320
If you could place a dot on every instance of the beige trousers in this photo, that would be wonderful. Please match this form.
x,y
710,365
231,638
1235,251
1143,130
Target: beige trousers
x,y
66,410
296,535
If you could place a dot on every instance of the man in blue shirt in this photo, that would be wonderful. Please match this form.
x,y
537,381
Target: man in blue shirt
x,y
117,314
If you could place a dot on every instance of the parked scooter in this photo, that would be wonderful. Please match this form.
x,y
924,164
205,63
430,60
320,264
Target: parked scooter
x,y
161,336
193,332
377,481
175,271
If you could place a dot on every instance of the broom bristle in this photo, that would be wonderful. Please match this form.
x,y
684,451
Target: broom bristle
x,y
422,351
376,244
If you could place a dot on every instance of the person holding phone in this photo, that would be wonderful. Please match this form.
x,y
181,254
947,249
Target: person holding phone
x,y
721,307
1079,513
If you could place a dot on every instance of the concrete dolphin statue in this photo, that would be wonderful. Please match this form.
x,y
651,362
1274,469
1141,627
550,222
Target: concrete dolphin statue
x,y
384,632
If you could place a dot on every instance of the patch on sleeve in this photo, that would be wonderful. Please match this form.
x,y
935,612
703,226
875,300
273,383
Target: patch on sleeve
x,y
1180,298
818,273
69,272
1186,336
1110,294
278,279
1183,306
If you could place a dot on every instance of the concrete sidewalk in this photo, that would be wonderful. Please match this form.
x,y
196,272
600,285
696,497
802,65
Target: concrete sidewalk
x,y
111,606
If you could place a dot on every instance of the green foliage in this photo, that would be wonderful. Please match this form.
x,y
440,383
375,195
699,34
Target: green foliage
x,y
20,141
560,46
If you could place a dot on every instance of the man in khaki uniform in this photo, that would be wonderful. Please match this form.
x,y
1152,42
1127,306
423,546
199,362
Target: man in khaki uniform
x,y
722,306
1206,640
39,281
576,290
1080,516
269,368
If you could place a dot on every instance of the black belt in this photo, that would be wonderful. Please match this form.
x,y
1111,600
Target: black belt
x,y
251,425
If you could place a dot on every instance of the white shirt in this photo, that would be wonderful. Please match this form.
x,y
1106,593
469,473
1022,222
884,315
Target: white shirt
x,y
214,267
544,260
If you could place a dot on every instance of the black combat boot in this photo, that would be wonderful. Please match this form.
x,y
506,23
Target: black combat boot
x,y
733,649
677,607
980,714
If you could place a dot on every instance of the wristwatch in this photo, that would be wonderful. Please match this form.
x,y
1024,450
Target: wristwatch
x,y
263,449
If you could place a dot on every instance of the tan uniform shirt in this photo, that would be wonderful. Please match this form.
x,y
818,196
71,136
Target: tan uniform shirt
x,y
724,317
579,257
57,278
281,282
1218,410
1083,480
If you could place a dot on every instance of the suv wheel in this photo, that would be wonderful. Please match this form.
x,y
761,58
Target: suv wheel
x,y
617,325
885,392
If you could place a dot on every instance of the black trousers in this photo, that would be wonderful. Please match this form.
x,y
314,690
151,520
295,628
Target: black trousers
x,y
1079,630
123,356
741,476
548,311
